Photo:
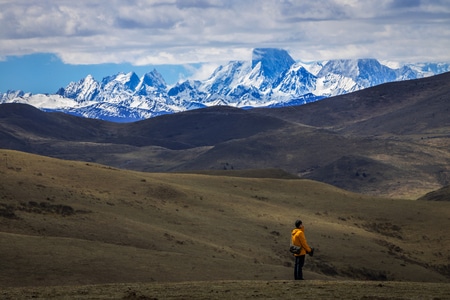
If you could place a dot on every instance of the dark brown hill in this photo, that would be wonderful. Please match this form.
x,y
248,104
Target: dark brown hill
x,y
442,194
390,140
190,129
28,123
197,128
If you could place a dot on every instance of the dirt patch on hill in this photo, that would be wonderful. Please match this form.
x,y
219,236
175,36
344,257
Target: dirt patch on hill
x,y
9,211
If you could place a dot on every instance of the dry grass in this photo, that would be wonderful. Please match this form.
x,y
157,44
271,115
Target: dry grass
x,y
316,289
75,223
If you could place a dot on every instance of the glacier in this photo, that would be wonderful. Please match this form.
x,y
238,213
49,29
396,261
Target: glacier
x,y
271,79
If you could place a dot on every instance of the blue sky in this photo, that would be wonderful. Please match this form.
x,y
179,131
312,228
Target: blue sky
x,y
47,44
46,73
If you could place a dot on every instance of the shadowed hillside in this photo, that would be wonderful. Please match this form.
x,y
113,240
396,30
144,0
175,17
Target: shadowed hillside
x,y
442,194
66,222
390,140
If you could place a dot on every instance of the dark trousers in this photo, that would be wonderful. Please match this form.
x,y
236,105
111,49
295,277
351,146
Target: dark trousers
x,y
298,267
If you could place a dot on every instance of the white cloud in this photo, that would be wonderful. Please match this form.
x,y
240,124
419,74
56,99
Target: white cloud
x,y
203,72
187,31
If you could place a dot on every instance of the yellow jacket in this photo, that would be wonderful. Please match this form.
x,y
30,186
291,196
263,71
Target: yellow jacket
x,y
298,239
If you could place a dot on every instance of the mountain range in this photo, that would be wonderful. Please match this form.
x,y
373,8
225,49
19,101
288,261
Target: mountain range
x,y
271,79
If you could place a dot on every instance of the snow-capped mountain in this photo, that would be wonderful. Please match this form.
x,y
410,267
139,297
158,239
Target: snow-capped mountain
x,y
272,78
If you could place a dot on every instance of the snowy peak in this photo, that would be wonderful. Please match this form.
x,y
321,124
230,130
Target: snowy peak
x,y
243,83
344,67
121,81
273,62
364,72
296,81
371,72
227,77
154,79
84,90
151,83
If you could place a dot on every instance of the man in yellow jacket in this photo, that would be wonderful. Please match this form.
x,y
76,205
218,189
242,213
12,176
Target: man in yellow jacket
x,y
298,239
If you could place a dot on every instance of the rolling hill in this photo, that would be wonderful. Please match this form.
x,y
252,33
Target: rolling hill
x,y
77,223
389,140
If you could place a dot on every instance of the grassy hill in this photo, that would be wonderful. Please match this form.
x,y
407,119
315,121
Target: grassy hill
x,y
75,223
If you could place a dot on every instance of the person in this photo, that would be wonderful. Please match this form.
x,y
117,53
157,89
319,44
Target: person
x,y
299,239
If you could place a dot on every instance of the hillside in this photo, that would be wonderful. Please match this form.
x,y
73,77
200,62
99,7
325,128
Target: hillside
x,y
442,194
75,223
390,140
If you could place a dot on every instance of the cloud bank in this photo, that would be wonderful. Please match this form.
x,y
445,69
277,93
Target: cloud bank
x,y
143,32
